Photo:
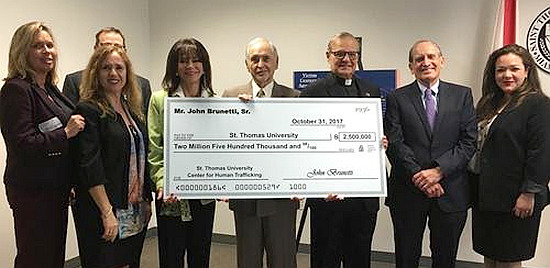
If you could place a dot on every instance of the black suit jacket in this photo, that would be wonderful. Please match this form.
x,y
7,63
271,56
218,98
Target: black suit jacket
x,y
516,153
102,154
332,87
262,207
413,146
37,155
72,84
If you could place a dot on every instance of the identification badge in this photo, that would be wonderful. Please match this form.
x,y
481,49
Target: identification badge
x,y
132,220
50,125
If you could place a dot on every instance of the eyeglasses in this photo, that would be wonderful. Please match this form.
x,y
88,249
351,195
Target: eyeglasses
x,y
113,44
342,54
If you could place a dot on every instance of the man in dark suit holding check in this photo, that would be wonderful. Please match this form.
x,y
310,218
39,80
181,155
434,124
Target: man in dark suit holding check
x,y
431,128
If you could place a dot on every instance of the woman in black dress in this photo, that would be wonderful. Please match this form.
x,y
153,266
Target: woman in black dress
x,y
512,159
113,189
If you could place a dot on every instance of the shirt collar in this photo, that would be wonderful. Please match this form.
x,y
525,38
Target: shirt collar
x,y
434,88
343,82
268,89
179,93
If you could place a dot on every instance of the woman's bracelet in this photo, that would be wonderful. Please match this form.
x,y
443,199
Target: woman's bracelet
x,y
109,212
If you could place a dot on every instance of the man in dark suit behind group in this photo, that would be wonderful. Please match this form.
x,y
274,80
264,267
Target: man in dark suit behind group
x,y
431,128
260,224
105,36
342,229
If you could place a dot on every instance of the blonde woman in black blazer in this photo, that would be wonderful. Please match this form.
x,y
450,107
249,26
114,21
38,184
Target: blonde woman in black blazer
x,y
512,160
36,124
113,197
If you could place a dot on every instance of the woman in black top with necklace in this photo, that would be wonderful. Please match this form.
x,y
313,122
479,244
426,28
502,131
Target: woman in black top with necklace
x,y
113,190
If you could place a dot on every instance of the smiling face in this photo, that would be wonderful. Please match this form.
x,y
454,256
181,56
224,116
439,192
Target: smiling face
x,y
510,72
190,68
42,54
112,74
261,63
347,47
426,62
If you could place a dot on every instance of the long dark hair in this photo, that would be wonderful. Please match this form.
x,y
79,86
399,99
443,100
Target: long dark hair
x,y
188,48
492,96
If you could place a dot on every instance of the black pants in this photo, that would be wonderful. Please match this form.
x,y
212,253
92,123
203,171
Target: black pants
x,y
176,237
40,219
341,231
409,221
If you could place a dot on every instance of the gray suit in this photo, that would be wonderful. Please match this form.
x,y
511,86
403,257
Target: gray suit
x,y
265,223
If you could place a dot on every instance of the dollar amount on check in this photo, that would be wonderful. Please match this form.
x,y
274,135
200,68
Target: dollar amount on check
x,y
273,148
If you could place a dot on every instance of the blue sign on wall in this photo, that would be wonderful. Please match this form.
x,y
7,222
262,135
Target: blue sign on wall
x,y
385,79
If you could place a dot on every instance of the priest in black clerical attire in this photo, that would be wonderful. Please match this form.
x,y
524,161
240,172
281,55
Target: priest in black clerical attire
x,y
342,229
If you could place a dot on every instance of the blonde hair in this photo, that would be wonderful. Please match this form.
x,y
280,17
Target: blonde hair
x,y
21,42
92,91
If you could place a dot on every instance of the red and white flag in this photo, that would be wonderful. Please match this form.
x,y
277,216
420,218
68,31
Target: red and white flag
x,y
506,24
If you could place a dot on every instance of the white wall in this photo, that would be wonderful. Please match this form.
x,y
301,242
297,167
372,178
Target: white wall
x,y
527,13
300,29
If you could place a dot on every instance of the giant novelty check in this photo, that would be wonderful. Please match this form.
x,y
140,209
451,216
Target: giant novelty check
x,y
273,148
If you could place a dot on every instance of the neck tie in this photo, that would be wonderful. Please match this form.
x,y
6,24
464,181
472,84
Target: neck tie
x,y
430,107
261,93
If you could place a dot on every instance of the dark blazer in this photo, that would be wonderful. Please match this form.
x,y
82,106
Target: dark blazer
x,y
515,155
331,87
102,152
413,146
37,155
262,207
72,84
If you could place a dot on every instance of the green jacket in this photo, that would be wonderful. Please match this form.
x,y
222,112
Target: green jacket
x,y
155,157
155,127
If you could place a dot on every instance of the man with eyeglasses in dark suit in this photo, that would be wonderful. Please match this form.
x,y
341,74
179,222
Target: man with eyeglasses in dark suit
x,y
342,229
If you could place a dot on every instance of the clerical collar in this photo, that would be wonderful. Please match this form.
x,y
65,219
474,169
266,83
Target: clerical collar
x,y
268,89
343,81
